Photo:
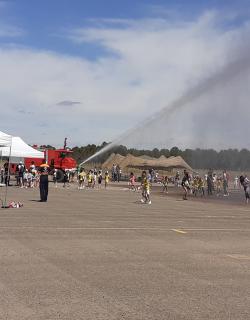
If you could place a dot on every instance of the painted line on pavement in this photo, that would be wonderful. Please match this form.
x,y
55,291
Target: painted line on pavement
x,y
179,231
215,229
86,228
185,230
238,256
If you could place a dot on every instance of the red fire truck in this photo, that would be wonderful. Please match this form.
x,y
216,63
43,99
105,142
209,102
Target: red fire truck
x,y
57,159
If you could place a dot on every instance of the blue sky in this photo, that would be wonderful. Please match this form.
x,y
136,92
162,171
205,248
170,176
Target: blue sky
x,y
90,70
44,22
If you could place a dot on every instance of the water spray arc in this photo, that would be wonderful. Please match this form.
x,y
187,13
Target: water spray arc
x,y
225,75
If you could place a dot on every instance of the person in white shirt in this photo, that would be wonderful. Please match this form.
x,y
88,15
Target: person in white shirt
x,y
25,178
29,179
236,182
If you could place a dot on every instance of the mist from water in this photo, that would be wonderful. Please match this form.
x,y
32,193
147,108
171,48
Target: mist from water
x,y
222,96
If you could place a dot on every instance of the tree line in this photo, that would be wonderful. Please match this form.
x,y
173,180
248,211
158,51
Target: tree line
x,y
230,159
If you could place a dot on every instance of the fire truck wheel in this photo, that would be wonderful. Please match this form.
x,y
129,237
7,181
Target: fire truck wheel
x,y
59,175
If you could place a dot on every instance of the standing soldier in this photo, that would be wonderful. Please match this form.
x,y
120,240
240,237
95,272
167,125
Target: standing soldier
x,y
44,181
210,185
225,183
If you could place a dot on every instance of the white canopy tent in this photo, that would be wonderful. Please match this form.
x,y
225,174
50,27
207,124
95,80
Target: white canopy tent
x,y
5,141
20,149
15,149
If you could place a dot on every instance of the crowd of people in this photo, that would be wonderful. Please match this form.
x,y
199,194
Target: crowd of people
x,y
31,177
192,184
92,179
212,184
25,177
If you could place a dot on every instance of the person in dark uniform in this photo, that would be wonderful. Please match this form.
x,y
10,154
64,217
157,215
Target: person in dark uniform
x,y
185,184
44,181
210,185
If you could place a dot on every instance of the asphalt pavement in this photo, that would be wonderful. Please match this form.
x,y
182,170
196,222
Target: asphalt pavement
x,y
101,254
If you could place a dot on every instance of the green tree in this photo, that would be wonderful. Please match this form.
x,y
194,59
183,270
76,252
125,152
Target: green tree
x,y
175,151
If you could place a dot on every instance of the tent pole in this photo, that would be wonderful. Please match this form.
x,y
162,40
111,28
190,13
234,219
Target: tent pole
x,y
1,161
8,175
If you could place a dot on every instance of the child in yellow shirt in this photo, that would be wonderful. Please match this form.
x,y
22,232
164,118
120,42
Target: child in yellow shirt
x,y
145,188
106,179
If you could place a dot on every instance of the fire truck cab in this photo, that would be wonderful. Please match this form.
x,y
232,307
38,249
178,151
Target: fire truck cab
x,y
57,159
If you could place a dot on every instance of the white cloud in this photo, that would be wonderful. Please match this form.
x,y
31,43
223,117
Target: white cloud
x,y
68,103
149,64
